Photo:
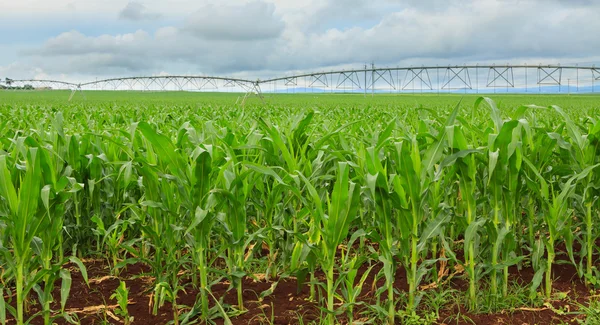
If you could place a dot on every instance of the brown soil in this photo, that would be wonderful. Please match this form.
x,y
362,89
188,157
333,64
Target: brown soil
x,y
286,304
566,283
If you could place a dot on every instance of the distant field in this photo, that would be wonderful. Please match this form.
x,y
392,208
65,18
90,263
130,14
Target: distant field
x,y
302,209
190,98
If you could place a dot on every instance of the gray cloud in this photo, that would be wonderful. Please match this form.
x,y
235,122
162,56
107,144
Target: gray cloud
x,y
251,21
136,11
252,37
345,11
141,52
74,43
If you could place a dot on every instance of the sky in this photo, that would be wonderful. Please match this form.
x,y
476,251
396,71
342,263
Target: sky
x,y
81,40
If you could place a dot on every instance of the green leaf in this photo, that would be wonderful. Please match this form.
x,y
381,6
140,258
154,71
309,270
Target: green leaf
x,y
46,196
435,151
165,150
296,254
37,245
537,255
265,171
544,193
65,288
383,136
569,186
569,238
278,141
536,281
494,111
471,231
29,193
572,129
317,203
2,307
81,267
519,112
199,216
499,239
342,208
226,320
269,291
202,176
493,161
451,159
432,229
7,189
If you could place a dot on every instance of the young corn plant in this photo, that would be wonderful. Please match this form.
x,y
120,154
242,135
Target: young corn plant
x,y
539,153
48,244
583,151
384,235
463,163
504,144
416,225
199,231
271,196
590,197
112,238
504,166
307,244
287,150
121,294
236,184
350,288
342,208
23,226
164,233
166,176
384,197
194,181
234,187
555,203
537,157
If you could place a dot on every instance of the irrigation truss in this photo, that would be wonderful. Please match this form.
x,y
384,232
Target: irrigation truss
x,y
368,80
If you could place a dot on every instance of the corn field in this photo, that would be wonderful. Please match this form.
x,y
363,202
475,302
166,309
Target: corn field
x,y
324,194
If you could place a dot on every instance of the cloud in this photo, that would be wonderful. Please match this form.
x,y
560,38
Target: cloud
x,y
260,37
74,52
254,20
141,52
15,70
76,43
136,11
482,30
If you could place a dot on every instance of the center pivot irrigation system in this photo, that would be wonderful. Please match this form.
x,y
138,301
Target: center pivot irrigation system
x,y
425,79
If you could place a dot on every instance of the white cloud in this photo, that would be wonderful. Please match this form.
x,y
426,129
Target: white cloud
x,y
275,36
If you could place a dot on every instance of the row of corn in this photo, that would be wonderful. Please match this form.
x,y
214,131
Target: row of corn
x,y
211,194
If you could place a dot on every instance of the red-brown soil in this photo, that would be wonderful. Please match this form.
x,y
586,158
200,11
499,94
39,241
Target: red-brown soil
x,y
286,304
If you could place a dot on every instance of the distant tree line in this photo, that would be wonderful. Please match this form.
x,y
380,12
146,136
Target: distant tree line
x,y
8,85
24,87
